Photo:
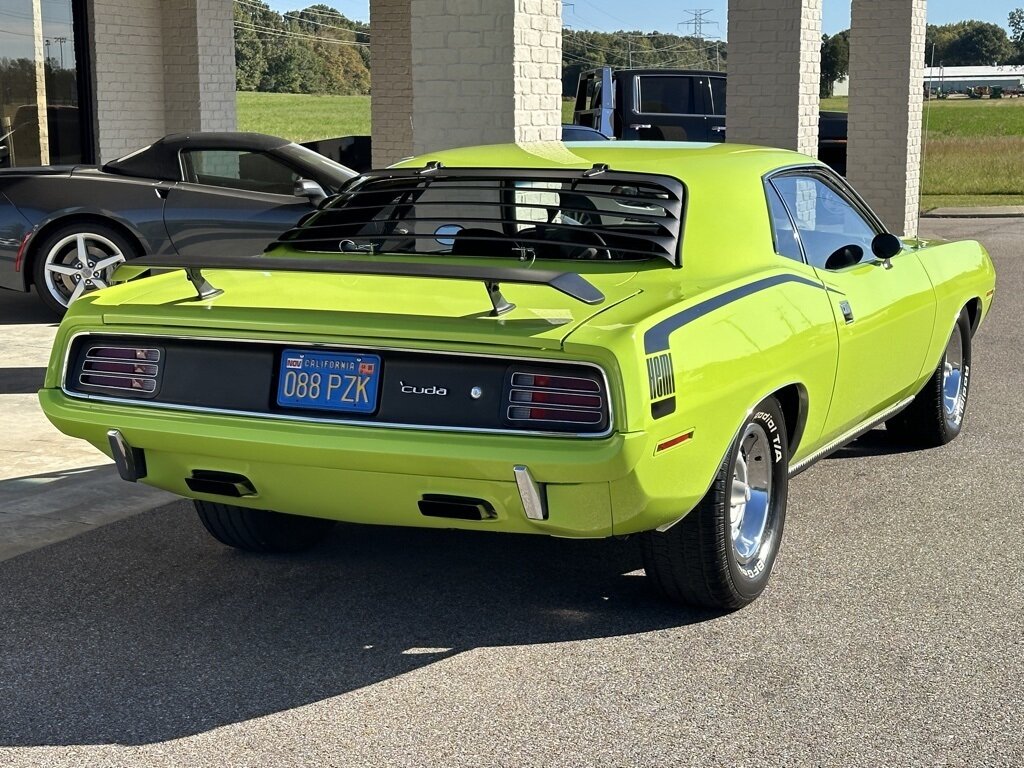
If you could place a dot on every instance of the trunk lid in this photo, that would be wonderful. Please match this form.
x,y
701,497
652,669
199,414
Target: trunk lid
x,y
397,309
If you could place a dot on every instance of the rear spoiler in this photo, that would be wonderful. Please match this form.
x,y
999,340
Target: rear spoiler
x,y
569,283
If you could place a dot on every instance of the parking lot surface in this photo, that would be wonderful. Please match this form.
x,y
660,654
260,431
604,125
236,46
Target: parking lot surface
x,y
891,634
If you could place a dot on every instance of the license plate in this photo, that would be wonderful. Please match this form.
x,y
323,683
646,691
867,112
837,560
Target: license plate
x,y
328,381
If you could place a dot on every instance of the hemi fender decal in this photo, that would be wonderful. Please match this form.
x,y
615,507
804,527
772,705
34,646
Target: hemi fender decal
x,y
656,339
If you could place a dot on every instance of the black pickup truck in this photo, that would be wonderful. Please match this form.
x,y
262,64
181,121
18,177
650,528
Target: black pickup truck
x,y
676,105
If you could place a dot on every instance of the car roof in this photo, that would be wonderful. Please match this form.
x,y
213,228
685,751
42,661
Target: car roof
x,y
685,160
160,159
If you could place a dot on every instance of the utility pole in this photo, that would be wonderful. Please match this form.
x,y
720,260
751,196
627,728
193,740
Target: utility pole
x,y
60,42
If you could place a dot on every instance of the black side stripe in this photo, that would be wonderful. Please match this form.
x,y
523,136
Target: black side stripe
x,y
656,339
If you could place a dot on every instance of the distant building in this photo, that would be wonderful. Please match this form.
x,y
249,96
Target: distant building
x,y
959,79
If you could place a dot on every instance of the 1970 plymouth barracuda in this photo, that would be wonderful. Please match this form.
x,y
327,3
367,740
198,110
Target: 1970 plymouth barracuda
x,y
65,229
579,340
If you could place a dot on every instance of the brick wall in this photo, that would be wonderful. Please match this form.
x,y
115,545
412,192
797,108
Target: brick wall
x,y
774,73
391,81
887,42
160,66
484,71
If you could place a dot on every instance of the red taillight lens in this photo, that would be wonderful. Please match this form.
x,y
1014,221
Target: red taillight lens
x,y
548,400
132,370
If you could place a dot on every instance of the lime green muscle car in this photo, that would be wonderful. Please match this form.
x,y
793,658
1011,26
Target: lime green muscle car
x,y
576,340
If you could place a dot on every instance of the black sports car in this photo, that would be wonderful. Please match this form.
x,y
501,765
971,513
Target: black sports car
x,y
64,229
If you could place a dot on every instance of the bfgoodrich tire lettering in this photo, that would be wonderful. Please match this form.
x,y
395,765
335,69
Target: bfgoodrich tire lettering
x,y
936,415
260,530
721,555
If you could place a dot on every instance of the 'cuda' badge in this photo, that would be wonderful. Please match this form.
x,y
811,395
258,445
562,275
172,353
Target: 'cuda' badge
x,y
408,389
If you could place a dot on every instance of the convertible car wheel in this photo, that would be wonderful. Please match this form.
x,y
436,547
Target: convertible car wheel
x,y
77,259
937,414
722,553
260,530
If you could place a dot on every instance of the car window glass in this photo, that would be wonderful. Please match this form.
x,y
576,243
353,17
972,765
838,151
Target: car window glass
x,y
718,96
660,94
252,171
826,220
787,243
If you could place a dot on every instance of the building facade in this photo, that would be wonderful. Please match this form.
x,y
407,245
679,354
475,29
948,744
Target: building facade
x,y
89,80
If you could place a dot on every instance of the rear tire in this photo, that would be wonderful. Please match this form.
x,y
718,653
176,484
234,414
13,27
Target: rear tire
x,y
722,553
936,415
260,530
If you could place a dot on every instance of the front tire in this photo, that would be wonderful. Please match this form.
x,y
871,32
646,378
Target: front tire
x,y
936,416
260,530
77,259
721,555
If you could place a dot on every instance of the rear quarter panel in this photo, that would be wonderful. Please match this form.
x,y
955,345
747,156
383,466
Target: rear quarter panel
x,y
724,360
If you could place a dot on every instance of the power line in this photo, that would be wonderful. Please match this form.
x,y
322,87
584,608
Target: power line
x,y
296,35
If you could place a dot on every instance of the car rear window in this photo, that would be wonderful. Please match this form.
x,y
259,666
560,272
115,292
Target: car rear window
x,y
578,215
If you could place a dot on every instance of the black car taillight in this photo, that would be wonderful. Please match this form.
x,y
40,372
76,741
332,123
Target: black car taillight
x,y
557,402
120,370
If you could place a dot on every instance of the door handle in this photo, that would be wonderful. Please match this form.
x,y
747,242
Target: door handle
x,y
718,128
847,311
639,126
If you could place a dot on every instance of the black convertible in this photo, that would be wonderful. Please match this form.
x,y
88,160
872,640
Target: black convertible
x,y
64,229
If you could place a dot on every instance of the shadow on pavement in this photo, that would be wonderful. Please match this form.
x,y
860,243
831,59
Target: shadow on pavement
x,y
21,381
17,308
874,443
148,630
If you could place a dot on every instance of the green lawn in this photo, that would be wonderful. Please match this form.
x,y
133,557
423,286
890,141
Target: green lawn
x,y
303,117
974,154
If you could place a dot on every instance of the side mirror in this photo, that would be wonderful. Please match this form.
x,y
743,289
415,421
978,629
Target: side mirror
x,y
309,189
885,246
845,257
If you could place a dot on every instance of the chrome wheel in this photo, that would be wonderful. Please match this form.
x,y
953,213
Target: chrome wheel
x,y
79,263
954,382
751,519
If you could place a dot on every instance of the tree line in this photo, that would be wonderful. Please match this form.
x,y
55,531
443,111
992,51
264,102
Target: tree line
x,y
320,50
962,44
315,50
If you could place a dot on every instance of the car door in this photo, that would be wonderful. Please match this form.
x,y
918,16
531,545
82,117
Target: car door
x,y
231,202
667,108
715,108
884,311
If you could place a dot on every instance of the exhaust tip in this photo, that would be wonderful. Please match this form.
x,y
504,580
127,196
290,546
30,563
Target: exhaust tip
x,y
217,483
456,507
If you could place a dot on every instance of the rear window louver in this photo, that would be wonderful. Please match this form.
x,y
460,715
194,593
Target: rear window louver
x,y
596,214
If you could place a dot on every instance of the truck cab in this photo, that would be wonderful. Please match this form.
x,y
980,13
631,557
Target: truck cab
x,y
676,105
653,104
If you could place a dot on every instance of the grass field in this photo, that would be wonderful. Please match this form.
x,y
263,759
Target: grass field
x,y
974,154
303,117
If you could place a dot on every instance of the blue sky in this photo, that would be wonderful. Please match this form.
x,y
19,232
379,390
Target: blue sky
x,y
664,15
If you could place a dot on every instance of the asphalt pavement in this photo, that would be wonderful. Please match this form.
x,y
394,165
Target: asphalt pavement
x,y
891,633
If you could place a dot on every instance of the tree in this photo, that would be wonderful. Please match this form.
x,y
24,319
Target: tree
x,y
1017,34
968,43
835,60
250,60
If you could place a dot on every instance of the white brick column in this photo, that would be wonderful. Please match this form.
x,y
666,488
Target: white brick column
x,y
160,66
390,80
774,73
485,71
887,42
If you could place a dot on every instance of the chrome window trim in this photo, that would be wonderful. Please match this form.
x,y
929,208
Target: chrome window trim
x,y
344,422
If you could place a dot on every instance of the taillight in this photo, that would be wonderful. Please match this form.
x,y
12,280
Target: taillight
x,y
134,370
556,402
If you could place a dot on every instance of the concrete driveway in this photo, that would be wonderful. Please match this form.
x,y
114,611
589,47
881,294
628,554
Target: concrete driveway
x,y
891,633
